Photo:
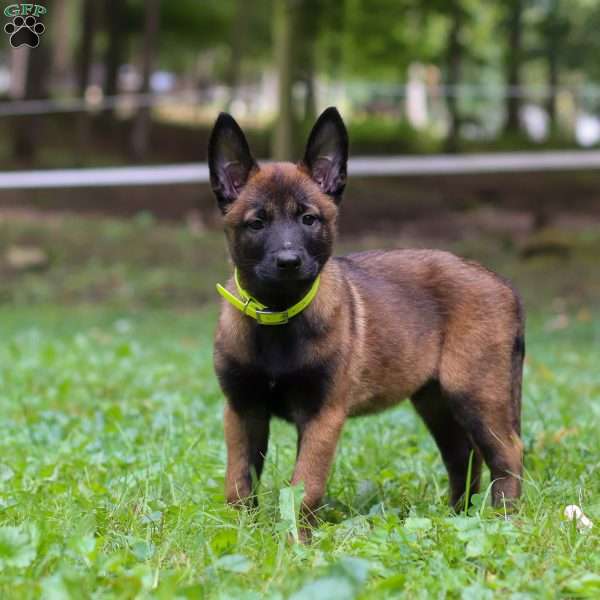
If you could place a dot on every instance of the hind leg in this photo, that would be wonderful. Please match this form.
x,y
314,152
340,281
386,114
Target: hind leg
x,y
499,442
480,374
452,440
488,414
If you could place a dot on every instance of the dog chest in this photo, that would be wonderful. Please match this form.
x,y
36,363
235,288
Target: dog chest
x,y
293,395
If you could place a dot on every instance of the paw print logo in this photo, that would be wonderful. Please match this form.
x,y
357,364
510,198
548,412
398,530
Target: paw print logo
x,y
25,31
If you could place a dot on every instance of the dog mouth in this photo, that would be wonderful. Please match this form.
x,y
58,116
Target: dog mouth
x,y
275,277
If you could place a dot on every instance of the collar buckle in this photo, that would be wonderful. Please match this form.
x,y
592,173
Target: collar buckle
x,y
246,305
262,317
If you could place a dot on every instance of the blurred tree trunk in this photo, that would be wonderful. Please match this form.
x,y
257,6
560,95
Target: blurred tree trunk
x,y
514,59
61,55
310,99
19,57
454,58
553,71
89,15
86,45
143,120
115,21
238,39
555,31
28,128
283,28
308,28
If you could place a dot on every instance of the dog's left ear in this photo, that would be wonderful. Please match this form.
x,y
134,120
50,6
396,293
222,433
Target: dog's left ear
x,y
229,160
326,154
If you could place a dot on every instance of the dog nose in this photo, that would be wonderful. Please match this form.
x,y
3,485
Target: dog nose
x,y
288,260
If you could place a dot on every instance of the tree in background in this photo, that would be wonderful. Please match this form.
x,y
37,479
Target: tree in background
x,y
514,56
381,38
458,17
455,55
384,37
310,19
542,43
190,29
285,18
61,51
85,52
115,19
141,128
27,129
554,30
239,32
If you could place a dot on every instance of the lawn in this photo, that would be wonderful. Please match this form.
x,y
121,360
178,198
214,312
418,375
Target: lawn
x,y
112,463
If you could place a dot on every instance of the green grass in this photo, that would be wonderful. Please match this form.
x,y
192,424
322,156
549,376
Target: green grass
x,y
112,457
112,465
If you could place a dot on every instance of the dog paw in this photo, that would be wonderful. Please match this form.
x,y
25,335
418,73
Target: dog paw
x,y
25,31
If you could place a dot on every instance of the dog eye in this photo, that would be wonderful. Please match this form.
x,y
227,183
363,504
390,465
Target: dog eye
x,y
309,220
257,224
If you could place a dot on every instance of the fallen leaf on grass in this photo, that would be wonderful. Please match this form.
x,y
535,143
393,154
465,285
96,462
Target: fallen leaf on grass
x,y
574,513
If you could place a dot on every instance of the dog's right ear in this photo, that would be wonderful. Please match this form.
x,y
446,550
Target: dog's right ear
x,y
229,160
326,154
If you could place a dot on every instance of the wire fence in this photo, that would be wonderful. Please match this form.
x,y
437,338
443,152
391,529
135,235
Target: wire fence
x,y
357,93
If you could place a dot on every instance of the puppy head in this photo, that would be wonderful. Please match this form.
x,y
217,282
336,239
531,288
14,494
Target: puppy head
x,y
280,217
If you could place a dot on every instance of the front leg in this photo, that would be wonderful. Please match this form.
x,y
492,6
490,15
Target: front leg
x,y
246,437
318,440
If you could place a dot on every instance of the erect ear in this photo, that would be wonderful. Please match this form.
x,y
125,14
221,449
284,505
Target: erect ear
x,y
326,154
229,160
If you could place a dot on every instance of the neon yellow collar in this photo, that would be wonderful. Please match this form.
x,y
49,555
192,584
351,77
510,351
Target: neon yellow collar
x,y
259,312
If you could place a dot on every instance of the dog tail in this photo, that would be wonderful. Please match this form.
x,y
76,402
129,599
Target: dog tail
x,y
518,356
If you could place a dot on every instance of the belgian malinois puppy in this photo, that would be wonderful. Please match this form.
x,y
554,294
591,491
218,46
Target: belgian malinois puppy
x,y
314,339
